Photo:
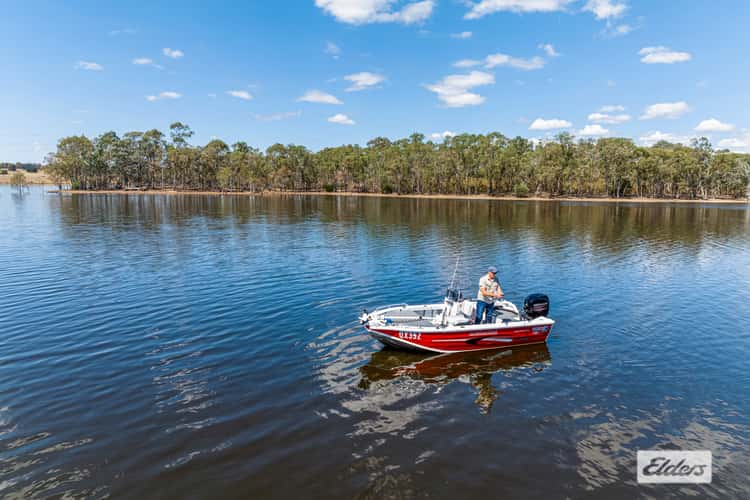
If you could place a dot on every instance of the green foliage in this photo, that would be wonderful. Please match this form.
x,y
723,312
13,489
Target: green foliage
x,y
464,164
3,171
521,190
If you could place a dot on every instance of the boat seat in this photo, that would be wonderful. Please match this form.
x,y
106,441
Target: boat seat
x,y
461,313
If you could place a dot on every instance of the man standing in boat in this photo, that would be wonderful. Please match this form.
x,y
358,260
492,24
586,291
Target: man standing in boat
x,y
489,290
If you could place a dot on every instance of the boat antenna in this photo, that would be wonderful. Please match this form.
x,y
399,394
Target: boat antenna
x,y
455,269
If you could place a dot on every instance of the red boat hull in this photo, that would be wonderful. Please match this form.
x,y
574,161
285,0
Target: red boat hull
x,y
458,341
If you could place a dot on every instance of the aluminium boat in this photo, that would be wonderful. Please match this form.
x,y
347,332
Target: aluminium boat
x,y
450,326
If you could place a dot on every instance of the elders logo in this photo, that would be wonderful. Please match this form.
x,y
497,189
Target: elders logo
x,y
674,466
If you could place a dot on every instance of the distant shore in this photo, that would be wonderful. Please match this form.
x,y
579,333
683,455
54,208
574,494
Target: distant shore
x,y
36,178
171,192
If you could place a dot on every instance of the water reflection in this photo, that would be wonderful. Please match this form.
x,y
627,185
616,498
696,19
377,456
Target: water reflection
x,y
476,368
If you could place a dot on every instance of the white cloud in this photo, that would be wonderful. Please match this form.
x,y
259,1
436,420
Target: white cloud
x,y
740,144
484,7
552,124
665,110
653,137
441,136
332,50
593,131
549,49
145,61
607,118
453,90
611,108
89,66
463,35
341,119
662,55
363,81
319,97
620,30
604,9
163,95
467,63
212,95
240,94
376,11
493,60
173,53
278,116
714,125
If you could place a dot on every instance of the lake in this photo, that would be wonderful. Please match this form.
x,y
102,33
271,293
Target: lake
x,y
207,347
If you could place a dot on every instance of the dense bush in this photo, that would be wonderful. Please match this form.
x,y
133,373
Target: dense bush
x,y
521,190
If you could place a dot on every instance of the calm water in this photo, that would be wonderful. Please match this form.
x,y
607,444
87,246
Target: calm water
x,y
207,347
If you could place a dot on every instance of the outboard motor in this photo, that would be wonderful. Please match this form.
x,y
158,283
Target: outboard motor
x,y
535,305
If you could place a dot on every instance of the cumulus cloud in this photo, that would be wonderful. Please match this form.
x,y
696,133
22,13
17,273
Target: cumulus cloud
x,y
376,11
611,108
163,95
441,136
549,49
278,116
341,119
552,124
454,90
319,97
740,144
484,7
332,50
240,94
89,66
662,55
713,125
593,131
173,53
463,35
363,81
605,9
607,118
493,60
652,138
665,110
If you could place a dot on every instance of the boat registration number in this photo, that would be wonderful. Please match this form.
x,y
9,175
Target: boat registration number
x,y
409,335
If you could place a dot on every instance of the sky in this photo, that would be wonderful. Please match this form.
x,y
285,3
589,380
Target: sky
x,y
330,72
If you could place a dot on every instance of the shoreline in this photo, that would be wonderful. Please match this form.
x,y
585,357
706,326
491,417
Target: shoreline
x,y
482,197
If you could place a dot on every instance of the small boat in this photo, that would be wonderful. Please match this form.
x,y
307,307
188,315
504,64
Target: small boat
x,y
451,327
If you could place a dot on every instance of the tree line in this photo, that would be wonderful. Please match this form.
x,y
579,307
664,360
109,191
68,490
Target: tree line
x,y
464,164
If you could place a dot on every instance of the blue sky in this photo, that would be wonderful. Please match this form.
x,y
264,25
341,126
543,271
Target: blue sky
x,y
329,72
